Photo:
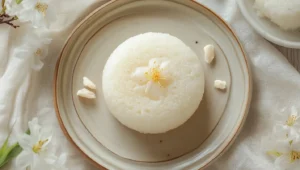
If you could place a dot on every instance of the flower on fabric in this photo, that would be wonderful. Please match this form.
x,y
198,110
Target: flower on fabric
x,y
34,49
12,8
153,77
286,152
283,144
40,12
289,125
36,153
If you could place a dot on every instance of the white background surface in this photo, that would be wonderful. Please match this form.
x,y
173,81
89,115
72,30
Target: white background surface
x,y
25,93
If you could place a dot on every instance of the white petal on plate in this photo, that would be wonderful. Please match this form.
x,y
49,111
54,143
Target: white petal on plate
x,y
154,62
85,93
154,90
88,83
164,64
139,74
24,159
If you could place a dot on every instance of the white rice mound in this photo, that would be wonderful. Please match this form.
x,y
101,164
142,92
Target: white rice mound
x,y
135,109
284,13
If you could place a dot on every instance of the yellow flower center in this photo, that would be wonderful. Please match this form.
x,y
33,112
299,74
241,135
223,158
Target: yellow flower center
x,y
291,120
155,75
38,52
294,155
41,7
38,147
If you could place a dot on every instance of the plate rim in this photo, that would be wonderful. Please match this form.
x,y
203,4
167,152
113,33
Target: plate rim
x,y
223,148
274,39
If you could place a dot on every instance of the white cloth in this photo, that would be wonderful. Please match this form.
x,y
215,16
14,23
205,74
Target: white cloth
x,y
25,93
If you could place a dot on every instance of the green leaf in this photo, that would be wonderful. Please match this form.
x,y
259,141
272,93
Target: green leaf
x,y
8,153
4,150
4,147
28,132
18,1
14,152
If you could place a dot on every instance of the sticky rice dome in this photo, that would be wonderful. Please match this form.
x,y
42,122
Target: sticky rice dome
x,y
126,98
284,13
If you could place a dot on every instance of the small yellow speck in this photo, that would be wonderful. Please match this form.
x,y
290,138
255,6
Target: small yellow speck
x,y
41,7
38,52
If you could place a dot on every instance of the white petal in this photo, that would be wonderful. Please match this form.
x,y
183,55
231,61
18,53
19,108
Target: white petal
x,y
294,111
39,163
139,75
29,4
51,14
283,162
283,146
268,144
37,64
296,144
88,83
154,90
293,132
154,62
24,159
164,64
25,141
39,20
46,136
34,127
25,16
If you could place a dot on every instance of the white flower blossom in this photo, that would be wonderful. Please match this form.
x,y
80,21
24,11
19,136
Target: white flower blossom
x,y
40,12
35,154
12,8
289,125
286,152
284,142
152,78
34,49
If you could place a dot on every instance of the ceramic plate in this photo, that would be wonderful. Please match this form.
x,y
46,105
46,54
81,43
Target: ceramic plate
x,y
109,144
267,29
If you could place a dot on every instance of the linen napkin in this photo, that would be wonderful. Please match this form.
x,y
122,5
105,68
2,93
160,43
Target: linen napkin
x,y
25,93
